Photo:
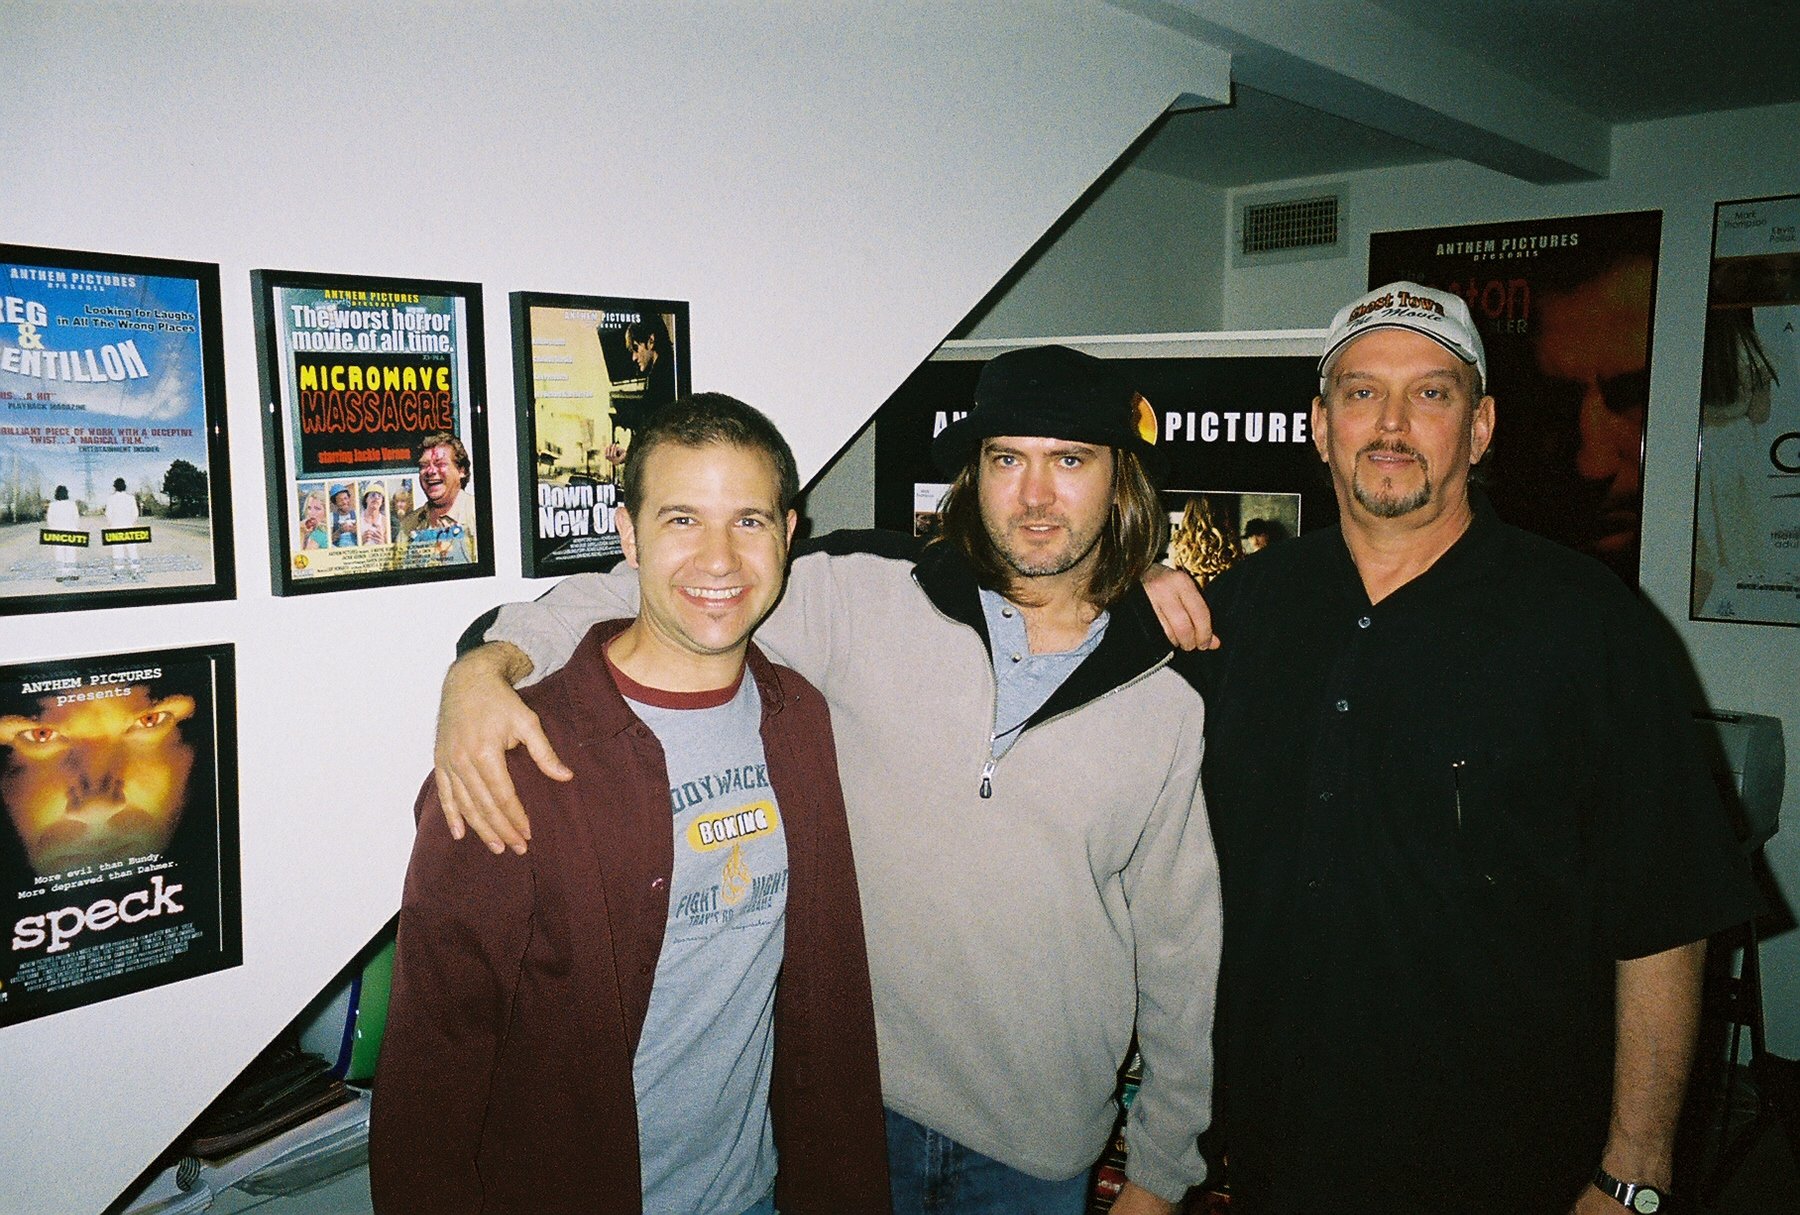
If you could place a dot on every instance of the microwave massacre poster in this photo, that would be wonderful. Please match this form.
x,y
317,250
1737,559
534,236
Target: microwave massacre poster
x,y
375,430
588,372
112,432
119,856
1236,430
1564,307
1747,493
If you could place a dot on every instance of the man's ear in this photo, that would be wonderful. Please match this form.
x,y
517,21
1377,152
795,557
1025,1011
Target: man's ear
x,y
1481,429
627,536
1320,425
793,520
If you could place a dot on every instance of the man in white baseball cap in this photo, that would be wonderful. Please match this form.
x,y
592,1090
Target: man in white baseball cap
x,y
1467,902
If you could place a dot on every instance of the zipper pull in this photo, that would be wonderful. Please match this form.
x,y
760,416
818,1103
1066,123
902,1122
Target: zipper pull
x,y
1456,777
987,774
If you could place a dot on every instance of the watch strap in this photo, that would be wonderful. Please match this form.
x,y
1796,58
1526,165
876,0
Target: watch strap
x,y
1641,1198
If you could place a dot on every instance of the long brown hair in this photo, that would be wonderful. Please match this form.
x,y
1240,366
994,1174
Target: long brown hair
x,y
1136,530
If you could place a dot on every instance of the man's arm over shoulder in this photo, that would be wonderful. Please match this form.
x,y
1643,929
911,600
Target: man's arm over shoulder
x,y
464,925
1172,890
480,719
547,629
811,629
1224,599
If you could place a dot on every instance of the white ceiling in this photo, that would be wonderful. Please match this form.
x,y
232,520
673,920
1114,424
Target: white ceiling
x,y
1531,87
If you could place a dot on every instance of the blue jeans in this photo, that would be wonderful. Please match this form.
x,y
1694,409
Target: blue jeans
x,y
765,1207
933,1174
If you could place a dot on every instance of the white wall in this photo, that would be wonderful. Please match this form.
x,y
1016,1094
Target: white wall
x,y
832,185
1141,257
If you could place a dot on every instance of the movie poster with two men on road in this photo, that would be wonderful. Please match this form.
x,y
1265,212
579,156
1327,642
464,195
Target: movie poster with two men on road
x,y
113,481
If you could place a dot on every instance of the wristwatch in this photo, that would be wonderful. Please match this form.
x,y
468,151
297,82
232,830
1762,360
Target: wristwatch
x,y
1632,1195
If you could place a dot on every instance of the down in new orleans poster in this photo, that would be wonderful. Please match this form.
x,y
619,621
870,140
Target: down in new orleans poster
x,y
589,372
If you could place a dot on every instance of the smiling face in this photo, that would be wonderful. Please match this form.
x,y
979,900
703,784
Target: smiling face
x,y
97,780
709,541
440,479
1399,428
1044,504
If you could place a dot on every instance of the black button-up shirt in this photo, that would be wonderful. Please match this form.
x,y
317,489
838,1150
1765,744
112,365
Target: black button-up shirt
x,y
1441,819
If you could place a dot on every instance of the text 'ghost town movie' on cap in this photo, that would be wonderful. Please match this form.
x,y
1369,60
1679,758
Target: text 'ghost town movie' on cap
x,y
1438,315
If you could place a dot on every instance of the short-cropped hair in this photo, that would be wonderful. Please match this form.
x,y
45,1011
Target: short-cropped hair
x,y
706,419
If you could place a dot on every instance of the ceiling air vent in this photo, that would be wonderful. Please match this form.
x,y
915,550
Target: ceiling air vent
x,y
1295,223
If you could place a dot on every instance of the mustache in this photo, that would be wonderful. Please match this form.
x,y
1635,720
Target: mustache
x,y
1395,447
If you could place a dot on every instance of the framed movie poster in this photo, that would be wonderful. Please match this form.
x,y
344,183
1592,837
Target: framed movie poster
x,y
114,483
588,372
374,430
1233,420
1747,485
119,858
1565,308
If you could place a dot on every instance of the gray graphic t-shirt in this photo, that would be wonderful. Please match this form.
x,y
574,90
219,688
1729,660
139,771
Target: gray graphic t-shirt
x,y
703,1063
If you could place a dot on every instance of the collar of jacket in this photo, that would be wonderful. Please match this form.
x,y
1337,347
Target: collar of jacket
x,y
592,704
1134,645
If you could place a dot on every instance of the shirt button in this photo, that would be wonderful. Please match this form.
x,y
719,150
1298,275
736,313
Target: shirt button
x,y
1325,796
1343,706
1313,885
1018,657
1363,623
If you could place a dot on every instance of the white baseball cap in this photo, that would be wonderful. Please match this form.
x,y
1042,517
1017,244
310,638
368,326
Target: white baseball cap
x,y
1439,315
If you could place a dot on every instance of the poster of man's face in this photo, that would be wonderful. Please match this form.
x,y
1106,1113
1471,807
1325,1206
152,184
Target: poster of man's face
x,y
118,857
92,780
1564,307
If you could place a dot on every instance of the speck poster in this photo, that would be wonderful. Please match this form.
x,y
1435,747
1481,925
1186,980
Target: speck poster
x,y
375,430
119,855
113,480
